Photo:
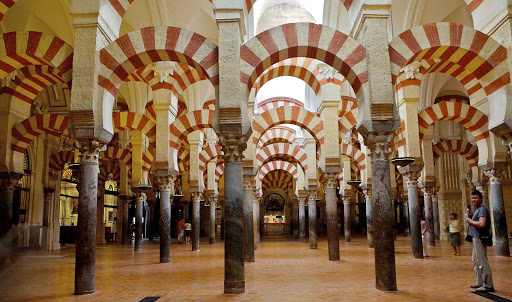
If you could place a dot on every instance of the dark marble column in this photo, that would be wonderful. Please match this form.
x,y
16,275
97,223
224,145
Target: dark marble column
x,y
411,179
302,219
435,208
407,231
429,215
498,210
8,181
255,216
385,270
87,213
347,218
248,223
186,212
196,220
151,221
369,217
313,242
100,207
125,205
295,219
234,276
166,187
48,194
331,208
140,198
213,206
222,219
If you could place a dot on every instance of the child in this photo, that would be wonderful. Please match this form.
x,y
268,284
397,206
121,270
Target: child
x,y
453,227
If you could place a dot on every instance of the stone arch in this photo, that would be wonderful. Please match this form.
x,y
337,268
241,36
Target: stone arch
x,y
148,45
29,129
278,134
347,113
149,112
5,7
209,105
355,154
277,102
301,68
117,152
134,121
108,167
209,153
148,158
187,123
462,147
278,165
59,159
21,49
336,49
283,151
279,179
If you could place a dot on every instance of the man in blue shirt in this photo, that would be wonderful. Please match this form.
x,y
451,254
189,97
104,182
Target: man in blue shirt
x,y
479,225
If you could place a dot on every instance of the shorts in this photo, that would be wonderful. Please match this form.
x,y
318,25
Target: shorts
x,y
455,239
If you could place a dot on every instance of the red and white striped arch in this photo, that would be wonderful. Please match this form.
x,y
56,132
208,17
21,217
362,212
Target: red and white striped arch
x,y
209,153
117,152
148,158
134,121
30,128
313,41
184,159
354,153
481,55
277,179
59,159
277,102
21,49
284,151
278,165
452,98
209,105
347,113
187,123
108,167
288,115
301,68
149,112
462,147
278,134
30,81
148,45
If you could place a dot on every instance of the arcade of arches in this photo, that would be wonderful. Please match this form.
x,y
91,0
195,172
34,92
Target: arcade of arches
x,y
258,126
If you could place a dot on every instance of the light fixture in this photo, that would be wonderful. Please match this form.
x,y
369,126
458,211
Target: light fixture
x,y
402,161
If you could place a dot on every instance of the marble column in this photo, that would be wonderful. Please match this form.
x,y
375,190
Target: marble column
x,y
8,181
347,218
151,221
125,205
407,232
140,198
331,208
87,213
302,219
248,219
435,210
369,217
295,219
48,194
429,215
313,241
211,229
222,220
411,179
196,220
255,216
100,207
186,212
385,270
234,276
498,210
166,187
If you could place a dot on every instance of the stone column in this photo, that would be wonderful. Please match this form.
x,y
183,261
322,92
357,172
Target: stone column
x,y
100,224
125,205
255,217
166,187
302,219
213,206
140,198
347,218
151,221
498,210
429,215
185,211
8,181
222,220
369,217
331,208
385,270
295,219
435,209
48,194
234,277
86,226
407,232
411,179
248,219
313,242
196,220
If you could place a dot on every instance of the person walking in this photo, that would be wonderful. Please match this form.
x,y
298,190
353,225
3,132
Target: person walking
x,y
424,234
188,232
453,229
479,233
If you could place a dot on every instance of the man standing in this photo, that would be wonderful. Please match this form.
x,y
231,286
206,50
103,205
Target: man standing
x,y
479,229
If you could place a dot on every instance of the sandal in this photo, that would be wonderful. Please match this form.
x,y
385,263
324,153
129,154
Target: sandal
x,y
485,290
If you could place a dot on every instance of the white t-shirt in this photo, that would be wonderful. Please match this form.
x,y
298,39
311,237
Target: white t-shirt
x,y
454,226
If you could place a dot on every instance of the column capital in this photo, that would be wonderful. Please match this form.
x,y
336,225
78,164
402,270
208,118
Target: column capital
x,y
346,199
165,184
48,191
233,146
255,197
248,182
331,180
428,191
495,175
312,194
379,145
367,193
302,200
140,197
482,188
214,201
411,178
8,180
90,150
196,196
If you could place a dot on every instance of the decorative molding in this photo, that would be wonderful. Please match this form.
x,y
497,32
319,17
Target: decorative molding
x,y
90,150
495,175
233,146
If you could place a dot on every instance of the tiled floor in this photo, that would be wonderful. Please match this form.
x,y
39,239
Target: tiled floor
x,y
284,270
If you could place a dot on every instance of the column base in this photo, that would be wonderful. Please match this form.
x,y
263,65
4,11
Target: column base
x,y
137,249
234,287
313,247
212,241
385,289
165,260
86,292
249,260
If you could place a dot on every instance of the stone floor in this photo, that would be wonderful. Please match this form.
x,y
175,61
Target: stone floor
x,y
284,270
